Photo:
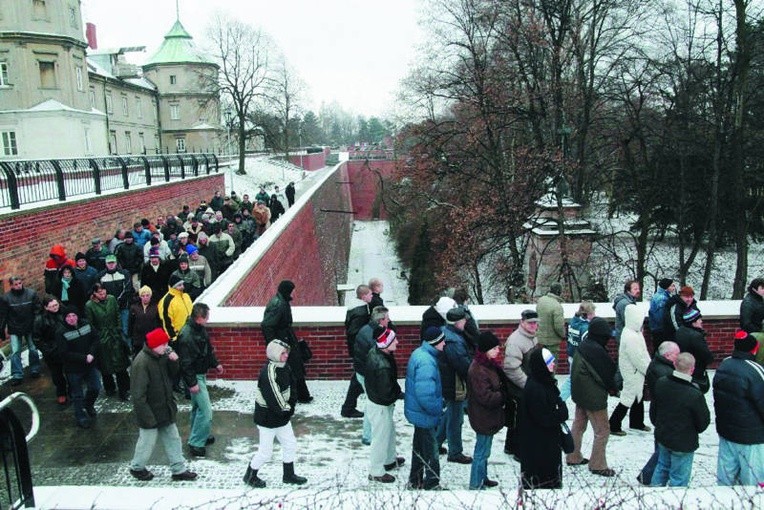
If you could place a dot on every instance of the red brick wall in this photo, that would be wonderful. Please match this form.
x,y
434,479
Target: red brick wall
x,y
27,236
242,352
364,176
312,251
315,161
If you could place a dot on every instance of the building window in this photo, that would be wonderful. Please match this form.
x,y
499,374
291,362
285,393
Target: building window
x,y
109,105
174,111
180,144
4,74
47,75
113,141
92,98
124,106
88,148
128,143
141,143
40,9
9,143
78,75
173,79
139,107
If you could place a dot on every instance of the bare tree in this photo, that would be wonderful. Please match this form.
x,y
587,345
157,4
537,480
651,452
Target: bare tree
x,y
284,94
242,54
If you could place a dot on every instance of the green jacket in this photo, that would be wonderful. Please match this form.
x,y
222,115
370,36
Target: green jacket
x,y
587,388
113,352
151,380
551,320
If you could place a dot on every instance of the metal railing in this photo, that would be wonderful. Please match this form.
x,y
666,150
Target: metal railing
x,y
14,453
25,182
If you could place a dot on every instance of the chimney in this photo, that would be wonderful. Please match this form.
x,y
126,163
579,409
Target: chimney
x,y
90,35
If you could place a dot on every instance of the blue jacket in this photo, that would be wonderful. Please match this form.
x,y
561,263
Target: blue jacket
x,y
455,361
576,329
423,404
658,309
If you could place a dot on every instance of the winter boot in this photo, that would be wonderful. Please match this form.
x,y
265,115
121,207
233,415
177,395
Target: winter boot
x,y
290,477
251,479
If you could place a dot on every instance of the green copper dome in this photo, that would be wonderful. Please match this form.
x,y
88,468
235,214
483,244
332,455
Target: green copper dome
x,y
178,48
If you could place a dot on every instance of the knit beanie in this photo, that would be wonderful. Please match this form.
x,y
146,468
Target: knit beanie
x,y
691,316
383,336
156,337
433,335
745,341
487,341
665,283
548,356
175,281
599,328
456,314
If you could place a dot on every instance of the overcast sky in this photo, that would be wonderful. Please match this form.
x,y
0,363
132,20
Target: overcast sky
x,y
351,51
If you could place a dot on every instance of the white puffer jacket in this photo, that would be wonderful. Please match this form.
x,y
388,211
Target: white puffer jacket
x,y
633,358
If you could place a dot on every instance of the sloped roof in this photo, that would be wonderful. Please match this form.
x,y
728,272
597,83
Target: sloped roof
x,y
178,48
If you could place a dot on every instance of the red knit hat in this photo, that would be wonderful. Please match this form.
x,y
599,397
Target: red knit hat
x,y
156,337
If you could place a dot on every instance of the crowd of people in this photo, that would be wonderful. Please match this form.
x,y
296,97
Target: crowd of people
x,y
160,347
458,367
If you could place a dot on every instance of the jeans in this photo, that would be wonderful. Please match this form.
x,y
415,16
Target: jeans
x,y
92,379
383,440
451,427
565,388
147,439
739,464
57,376
366,431
124,317
425,464
673,467
17,368
201,414
646,474
479,471
286,438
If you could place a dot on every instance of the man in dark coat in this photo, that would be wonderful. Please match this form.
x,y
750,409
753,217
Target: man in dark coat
x,y
118,283
364,342
454,367
739,409
676,306
96,254
277,324
593,379
661,365
289,191
691,337
679,413
197,357
752,313
77,342
355,319
383,390
85,273
130,257
154,369
18,309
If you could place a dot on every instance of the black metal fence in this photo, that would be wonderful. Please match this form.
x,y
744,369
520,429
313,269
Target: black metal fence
x,y
24,182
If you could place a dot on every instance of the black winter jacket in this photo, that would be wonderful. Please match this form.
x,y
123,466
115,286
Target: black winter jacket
x,y
118,283
75,343
364,343
693,340
355,319
679,413
277,321
752,313
658,367
739,399
44,333
18,311
274,400
195,351
151,379
382,386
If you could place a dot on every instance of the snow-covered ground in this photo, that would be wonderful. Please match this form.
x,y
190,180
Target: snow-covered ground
x,y
335,462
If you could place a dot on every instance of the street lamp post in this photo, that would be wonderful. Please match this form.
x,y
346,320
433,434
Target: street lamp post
x,y
228,116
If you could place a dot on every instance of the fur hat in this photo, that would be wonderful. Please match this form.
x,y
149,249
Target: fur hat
x,y
665,283
487,341
745,341
433,335
383,336
156,337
